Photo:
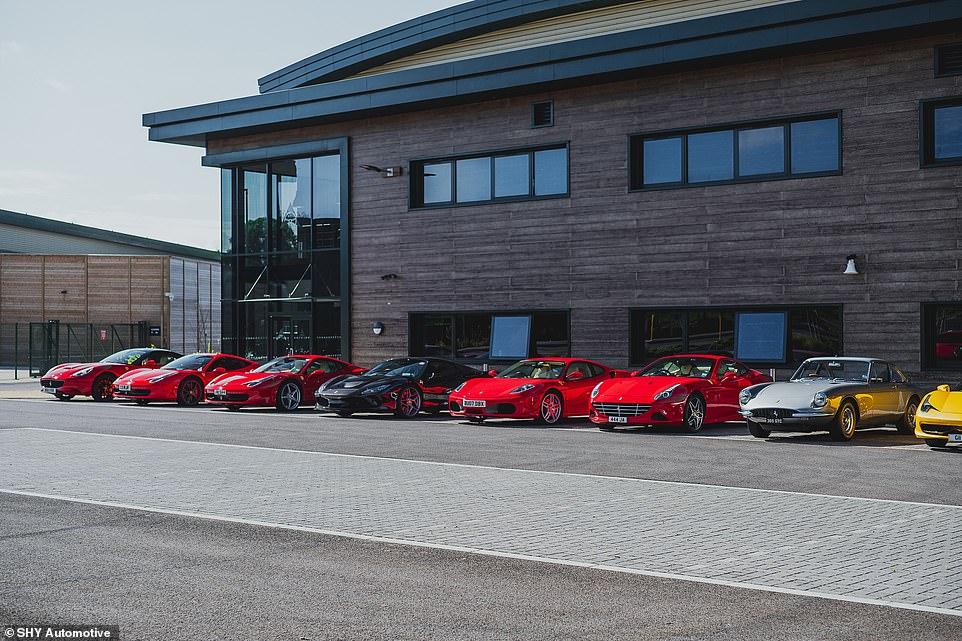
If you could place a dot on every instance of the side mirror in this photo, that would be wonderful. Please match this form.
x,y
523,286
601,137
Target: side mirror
x,y
217,371
575,376
492,372
151,364
729,376
944,388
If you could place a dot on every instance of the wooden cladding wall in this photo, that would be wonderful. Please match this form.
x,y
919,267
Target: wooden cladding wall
x,y
605,250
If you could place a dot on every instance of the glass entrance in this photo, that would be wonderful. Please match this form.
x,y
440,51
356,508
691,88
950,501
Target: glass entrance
x,y
290,335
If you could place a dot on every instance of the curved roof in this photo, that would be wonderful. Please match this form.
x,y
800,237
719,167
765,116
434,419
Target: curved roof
x,y
432,30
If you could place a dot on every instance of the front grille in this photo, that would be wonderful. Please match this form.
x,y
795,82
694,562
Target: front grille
x,y
940,429
772,413
50,382
133,392
621,409
235,398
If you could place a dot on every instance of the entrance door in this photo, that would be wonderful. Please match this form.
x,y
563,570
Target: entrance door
x,y
290,335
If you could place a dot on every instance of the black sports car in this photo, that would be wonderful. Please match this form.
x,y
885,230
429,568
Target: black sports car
x,y
404,386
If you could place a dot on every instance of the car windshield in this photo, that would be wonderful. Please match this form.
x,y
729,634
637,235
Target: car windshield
x,y
290,364
534,369
126,357
686,367
191,361
833,369
406,367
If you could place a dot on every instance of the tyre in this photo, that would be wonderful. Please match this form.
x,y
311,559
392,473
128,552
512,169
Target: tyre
x,y
906,424
694,417
606,427
63,397
233,408
344,413
141,402
103,388
551,409
408,402
757,430
936,443
477,420
844,424
288,397
189,392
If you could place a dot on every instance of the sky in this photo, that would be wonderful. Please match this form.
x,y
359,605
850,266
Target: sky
x,y
76,77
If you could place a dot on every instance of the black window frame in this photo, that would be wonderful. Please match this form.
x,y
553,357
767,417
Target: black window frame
x,y
927,109
938,59
928,360
534,112
735,309
635,146
416,177
453,316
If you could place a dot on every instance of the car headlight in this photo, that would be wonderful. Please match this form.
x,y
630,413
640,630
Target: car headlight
x,y
83,372
926,406
521,389
157,379
667,393
595,391
819,400
744,396
258,381
378,389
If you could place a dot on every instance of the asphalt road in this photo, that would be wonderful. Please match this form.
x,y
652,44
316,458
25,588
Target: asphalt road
x,y
164,576
171,577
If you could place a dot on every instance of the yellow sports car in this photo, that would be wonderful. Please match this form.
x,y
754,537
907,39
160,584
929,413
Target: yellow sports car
x,y
939,418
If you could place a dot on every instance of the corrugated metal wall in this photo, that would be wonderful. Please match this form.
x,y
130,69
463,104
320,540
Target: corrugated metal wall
x,y
194,306
23,240
576,26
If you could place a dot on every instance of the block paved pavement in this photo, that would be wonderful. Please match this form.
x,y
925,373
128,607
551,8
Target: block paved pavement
x,y
876,551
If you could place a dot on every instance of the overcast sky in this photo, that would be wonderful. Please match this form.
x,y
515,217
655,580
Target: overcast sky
x,y
75,78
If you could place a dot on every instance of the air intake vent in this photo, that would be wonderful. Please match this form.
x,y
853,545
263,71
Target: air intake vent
x,y
948,60
542,114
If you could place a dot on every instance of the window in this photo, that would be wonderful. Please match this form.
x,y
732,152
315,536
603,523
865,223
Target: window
x,y
813,331
941,136
948,60
512,175
778,149
542,114
942,336
489,336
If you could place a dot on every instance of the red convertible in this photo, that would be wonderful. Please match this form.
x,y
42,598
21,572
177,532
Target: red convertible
x,y
182,380
689,390
282,383
97,379
546,389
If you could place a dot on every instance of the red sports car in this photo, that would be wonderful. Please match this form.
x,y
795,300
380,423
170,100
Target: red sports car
x,y
182,380
545,389
282,383
689,390
97,379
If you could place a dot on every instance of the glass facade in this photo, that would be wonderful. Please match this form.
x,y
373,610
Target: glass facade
x,y
284,289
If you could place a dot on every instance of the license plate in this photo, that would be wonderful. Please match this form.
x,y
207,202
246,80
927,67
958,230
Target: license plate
x,y
776,421
955,438
220,392
617,419
123,388
475,403
48,390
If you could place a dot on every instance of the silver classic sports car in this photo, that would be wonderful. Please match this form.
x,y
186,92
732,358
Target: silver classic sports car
x,y
840,395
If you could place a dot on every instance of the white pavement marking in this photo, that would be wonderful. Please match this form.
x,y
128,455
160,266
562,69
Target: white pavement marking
x,y
852,549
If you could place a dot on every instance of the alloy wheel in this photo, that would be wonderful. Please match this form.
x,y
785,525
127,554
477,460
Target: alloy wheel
x,y
550,408
290,397
848,422
409,401
695,411
190,392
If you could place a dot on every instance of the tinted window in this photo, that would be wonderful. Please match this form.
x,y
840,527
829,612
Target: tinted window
x,y
710,157
473,179
942,336
512,176
162,358
761,151
191,362
551,172
468,336
437,183
815,146
947,133
662,161
230,363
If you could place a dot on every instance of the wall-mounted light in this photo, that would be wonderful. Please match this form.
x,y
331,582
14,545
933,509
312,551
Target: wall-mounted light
x,y
377,327
390,277
850,268
386,172
63,291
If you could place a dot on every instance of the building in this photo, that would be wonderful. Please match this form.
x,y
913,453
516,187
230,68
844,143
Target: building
x,y
87,291
603,178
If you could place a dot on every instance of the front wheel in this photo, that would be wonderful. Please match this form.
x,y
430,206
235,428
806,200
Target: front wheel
x,y
288,397
551,409
189,392
694,413
757,430
906,424
103,388
844,424
408,402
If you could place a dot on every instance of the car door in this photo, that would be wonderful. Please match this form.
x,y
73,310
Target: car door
x,y
885,406
318,371
435,383
576,390
730,378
